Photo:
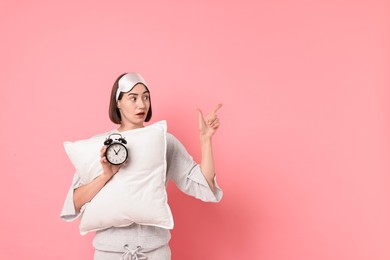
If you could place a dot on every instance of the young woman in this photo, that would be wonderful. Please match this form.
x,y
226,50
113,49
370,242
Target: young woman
x,y
130,106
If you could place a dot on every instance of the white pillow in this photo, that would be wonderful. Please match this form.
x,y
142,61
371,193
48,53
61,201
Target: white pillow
x,y
137,192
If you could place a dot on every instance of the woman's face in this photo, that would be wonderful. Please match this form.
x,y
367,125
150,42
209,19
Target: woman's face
x,y
134,106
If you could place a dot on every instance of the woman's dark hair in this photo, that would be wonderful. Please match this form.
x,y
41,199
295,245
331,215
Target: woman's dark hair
x,y
113,111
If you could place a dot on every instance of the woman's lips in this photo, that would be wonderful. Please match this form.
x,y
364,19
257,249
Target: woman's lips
x,y
140,114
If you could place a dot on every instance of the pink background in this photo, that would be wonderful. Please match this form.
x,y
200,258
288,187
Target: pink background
x,y
303,150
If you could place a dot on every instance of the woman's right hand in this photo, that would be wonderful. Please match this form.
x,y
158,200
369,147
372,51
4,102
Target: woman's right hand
x,y
109,169
86,192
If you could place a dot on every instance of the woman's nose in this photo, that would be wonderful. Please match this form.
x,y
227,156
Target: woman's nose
x,y
141,103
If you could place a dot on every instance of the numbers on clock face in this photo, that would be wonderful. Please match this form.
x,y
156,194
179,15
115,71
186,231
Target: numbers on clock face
x,y
116,153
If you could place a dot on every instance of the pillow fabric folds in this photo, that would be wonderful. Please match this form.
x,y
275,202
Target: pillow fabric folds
x,y
136,193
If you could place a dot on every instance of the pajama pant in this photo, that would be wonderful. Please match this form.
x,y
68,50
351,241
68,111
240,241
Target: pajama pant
x,y
138,253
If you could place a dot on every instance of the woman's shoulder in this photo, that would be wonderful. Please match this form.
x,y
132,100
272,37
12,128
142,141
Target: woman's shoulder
x,y
171,139
173,142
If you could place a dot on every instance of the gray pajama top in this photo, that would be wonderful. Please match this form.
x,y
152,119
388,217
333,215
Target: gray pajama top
x,y
187,176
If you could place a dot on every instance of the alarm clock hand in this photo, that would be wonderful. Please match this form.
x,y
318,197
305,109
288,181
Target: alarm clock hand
x,y
108,168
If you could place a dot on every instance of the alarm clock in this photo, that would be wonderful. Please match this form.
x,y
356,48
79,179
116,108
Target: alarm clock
x,y
116,152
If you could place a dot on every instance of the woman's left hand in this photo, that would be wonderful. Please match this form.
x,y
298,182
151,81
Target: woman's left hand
x,y
208,125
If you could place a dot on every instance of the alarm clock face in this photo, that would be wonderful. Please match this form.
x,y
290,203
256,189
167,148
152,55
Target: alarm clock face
x,y
116,153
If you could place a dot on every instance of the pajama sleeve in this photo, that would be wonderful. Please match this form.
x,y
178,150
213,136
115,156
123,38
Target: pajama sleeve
x,y
68,212
186,173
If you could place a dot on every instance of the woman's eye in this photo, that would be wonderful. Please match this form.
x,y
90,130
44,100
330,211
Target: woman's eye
x,y
133,99
146,98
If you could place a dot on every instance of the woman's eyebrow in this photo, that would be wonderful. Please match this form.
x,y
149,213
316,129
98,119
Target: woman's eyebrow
x,y
135,94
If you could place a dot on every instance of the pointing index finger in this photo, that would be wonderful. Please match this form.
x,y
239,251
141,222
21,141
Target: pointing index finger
x,y
216,108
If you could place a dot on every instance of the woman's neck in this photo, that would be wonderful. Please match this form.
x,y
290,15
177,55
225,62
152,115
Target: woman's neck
x,y
126,127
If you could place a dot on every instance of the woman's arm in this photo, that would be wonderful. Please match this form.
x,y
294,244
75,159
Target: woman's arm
x,y
85,193
208,126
